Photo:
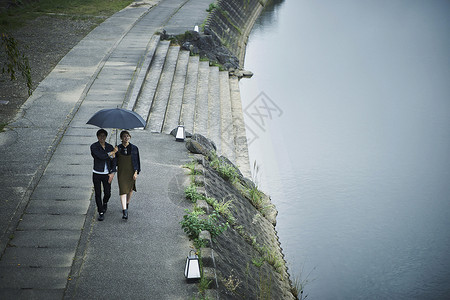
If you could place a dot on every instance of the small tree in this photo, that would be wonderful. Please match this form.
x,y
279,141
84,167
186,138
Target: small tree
x,y
15,60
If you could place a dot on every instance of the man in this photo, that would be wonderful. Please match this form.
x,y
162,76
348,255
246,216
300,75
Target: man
x,y
103,172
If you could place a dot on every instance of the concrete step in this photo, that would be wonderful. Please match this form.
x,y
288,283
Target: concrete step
x,y
161,99
226,125
240,138
190,94
141,73
145,100
214,116
179,88
176,95
201,105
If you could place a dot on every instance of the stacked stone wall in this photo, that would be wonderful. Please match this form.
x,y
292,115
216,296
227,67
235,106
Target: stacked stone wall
x,y
232,21
245,261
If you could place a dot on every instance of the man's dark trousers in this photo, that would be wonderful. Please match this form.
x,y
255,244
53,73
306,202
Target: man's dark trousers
x,y
98,180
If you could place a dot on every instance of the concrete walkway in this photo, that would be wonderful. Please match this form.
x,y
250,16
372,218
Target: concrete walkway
x,y
142,258
52,245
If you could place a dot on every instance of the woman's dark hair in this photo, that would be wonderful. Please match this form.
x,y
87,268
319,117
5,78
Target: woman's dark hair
x,y
100,131
123,133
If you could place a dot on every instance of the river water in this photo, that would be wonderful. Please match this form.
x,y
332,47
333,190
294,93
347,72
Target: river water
x,y
348,119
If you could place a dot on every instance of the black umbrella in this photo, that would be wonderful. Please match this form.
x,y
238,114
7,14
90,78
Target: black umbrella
x,y
117,118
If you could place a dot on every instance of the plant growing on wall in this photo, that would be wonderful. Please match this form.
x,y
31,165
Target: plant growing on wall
x,y
211,7
192,194
193,224
225,170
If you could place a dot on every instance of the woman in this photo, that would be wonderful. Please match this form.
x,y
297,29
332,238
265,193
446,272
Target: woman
x,y
129,166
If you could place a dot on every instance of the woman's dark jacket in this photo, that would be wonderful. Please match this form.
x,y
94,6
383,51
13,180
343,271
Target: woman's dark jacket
x,y
135,160
101,156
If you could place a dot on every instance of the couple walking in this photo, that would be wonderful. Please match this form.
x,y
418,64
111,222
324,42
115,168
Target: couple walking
x,y
107,159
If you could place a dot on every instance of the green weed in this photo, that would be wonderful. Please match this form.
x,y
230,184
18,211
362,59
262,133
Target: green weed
x,y
192,224
192,194
203,284
225,170
192,167
211,7
258,262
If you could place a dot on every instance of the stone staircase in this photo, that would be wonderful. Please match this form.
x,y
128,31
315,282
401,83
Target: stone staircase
x,y
170,87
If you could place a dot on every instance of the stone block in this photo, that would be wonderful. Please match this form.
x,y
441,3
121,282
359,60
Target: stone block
x,y
37,257
198,168
206,236
51,222
203,205
46,239
58,207
20,277
208,257
210,274
69,191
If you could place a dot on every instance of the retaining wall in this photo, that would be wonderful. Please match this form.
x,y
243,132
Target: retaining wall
x,y
248,262
232,21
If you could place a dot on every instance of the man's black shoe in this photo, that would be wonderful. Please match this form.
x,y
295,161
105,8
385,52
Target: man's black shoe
x,y
105,207
101,216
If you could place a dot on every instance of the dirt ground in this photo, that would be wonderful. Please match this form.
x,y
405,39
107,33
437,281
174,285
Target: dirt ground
x,y
44,41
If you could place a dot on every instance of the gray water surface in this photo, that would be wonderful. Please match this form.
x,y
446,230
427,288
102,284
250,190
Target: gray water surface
x,y
348,118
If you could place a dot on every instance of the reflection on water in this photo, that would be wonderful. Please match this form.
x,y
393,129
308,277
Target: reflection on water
x,y
358,162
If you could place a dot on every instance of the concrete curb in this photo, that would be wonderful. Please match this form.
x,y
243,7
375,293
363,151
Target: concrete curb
x,y
209,264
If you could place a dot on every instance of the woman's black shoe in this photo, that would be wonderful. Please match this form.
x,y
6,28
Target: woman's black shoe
x,y
125,214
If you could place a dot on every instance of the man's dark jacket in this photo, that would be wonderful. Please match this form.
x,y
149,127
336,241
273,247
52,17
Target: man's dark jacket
x,y
101,156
